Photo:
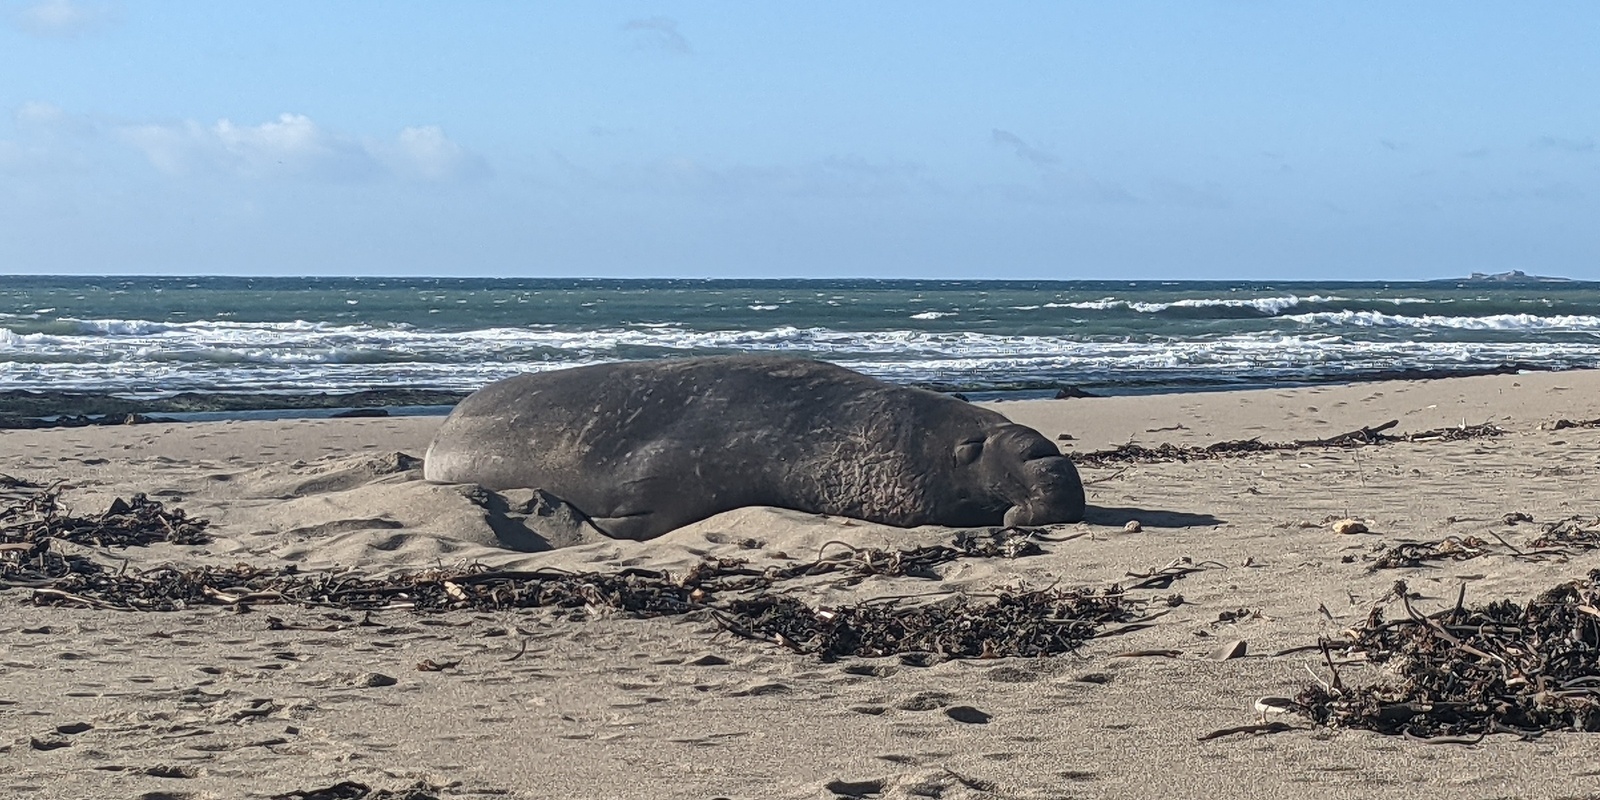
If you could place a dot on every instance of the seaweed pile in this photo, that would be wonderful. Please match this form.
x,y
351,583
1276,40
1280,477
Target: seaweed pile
x,y
1138,454
1022,625
1415,554
742,599
1563,424
1469,672
1581,532
352,790
1026,623
30,520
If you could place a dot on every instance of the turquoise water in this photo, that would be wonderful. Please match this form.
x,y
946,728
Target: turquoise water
x,y
154,335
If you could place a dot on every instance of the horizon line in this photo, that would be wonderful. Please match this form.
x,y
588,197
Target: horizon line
x,y
1510,276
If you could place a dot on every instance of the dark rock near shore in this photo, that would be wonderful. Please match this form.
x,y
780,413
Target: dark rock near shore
x,y
1069,392
21,408
12,421
360,412
1417,374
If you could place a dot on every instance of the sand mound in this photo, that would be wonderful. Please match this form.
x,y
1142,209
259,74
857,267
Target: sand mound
x,y
400,521
329,474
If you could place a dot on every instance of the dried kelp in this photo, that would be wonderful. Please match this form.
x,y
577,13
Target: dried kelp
x,y
1138,454
1013,624
351,790
737,596
1415,554
999,543
1023,625
1581,532
644,593
31,521
1563,424
135,522
862,562
1501,667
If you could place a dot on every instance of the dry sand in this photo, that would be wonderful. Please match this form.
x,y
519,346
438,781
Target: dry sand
x,y
210,704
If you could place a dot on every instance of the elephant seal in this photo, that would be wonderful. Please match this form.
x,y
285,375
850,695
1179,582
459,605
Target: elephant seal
x,y
645,447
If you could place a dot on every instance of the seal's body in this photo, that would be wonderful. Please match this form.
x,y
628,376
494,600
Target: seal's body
x,y
645,447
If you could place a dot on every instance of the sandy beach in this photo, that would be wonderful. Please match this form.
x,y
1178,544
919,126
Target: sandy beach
x,y
210,703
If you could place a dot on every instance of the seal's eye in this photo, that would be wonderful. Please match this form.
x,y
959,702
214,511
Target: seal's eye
x,y
968,451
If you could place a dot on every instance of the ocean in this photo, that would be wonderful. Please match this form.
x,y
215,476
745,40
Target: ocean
x,y
152,336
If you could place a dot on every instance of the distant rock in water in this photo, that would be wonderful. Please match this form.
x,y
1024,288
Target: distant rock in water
x,y
1514,276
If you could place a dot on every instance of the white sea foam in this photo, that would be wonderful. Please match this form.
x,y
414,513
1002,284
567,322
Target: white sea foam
x,y
933,314
226,355
1492,322
1270,306
305,342
1091,305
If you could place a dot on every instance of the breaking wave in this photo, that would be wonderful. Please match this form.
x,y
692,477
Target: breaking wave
x,y
299,334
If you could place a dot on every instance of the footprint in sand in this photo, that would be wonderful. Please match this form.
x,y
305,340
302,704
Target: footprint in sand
x,y
924,701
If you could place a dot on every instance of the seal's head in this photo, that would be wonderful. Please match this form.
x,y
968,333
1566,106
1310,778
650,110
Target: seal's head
x,y
1028,471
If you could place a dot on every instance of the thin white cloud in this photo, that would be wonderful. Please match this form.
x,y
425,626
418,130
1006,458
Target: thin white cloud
x,y
1024,151
59,18
290,146
48,140
1549,192
660,33
1564,144
1057,186
39,114
835,177
295,146
13,157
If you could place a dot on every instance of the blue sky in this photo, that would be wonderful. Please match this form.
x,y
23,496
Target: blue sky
x,y
1183,139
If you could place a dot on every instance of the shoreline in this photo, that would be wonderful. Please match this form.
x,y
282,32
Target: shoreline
x,y
26,408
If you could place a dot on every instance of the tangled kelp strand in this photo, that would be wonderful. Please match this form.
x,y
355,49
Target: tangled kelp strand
x,y
1501,667
1139,454
1581,532
1415,554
